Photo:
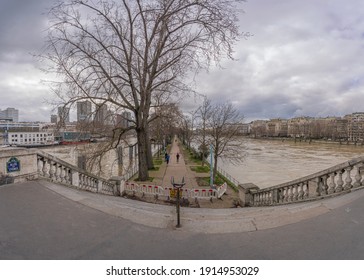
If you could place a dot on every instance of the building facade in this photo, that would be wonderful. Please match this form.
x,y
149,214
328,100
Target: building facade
x,y
30,138
10,114
63,115
101,114
84,111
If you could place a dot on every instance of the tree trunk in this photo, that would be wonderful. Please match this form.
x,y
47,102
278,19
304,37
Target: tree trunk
x,y
142,155
215,165
149,150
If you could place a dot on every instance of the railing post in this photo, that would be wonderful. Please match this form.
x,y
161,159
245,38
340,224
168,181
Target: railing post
x,y
119,185
246,194
358,176
99,186
75,181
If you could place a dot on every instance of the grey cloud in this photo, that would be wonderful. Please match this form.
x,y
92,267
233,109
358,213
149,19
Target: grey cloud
x,y
305,58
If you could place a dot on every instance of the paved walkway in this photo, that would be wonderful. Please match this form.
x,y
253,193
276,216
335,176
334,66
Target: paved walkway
x,y
40,220
175,169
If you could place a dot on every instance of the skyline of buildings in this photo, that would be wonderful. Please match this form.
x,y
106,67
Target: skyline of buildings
x,y
350,126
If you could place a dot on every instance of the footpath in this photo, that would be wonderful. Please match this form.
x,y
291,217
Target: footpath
x,y
182,169
175,169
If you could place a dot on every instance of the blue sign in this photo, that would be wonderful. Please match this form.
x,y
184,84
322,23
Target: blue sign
x,y
13,165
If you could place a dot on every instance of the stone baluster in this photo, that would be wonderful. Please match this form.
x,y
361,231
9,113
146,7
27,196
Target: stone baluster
x,y
290,193
68,176
90,183
340,182
52,170
45,169
348,179
285,195
84,181
62,174
323,186
57,172
305,187
280,195
87,182
40,165
295,192
95,185
271,196
357,177
300,191
332,184
256,199
81,180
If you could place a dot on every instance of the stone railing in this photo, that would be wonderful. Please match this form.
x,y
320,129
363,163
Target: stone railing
x,y
340,179
59,171
168,192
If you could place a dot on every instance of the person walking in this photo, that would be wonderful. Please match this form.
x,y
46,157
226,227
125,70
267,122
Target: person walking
x,y
167,158
177,156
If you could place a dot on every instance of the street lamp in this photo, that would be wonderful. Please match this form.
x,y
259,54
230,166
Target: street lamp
x,y
178,186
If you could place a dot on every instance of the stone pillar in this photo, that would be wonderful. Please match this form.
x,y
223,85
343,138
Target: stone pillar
x,y
313,186
75,179
119,185
99,186
245,194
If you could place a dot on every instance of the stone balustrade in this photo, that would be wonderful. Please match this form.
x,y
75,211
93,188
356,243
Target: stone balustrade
x,y
168,192
333,181
59,171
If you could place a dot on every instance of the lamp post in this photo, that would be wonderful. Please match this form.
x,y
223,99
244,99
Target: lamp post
x,y
211,168
178,186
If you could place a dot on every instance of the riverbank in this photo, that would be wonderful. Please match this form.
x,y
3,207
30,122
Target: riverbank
x,y
182,169
305,140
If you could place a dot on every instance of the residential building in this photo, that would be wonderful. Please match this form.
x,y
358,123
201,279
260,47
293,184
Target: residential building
x,y
84,110
54,118
10,114
101,114
30,138
63,115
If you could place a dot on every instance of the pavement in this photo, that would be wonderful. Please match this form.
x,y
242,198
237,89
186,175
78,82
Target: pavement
x,y
43,220
176,169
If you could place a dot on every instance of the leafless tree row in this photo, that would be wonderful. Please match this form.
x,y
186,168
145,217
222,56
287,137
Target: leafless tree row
x,y
134,55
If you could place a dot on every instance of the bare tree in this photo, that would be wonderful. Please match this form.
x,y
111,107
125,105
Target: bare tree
x,y
204,114
125,53
224,127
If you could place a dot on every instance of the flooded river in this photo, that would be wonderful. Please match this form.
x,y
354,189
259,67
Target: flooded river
x,y
271,162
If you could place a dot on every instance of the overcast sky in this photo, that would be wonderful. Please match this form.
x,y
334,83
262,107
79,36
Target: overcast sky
x,y
305,58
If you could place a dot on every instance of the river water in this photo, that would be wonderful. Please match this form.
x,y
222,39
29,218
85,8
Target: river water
x,y
271,162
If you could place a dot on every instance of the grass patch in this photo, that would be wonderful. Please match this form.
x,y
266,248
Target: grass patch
x,y
205,181
155,168
157,161
150,179
218,181
200,169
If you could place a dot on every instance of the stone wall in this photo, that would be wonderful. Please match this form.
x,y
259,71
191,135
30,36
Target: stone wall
x,y
27,163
